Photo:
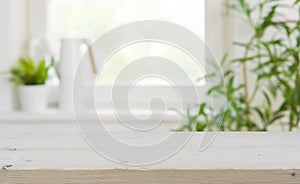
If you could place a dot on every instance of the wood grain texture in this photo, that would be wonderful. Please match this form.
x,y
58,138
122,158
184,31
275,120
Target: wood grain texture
x,y
56,153
151,177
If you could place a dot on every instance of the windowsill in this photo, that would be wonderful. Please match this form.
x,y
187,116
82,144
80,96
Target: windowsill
x,y
54,115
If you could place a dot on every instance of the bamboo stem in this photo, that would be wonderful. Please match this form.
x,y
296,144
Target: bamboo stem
x,y
245,77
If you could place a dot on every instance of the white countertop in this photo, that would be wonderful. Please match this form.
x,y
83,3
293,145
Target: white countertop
x,y
60,146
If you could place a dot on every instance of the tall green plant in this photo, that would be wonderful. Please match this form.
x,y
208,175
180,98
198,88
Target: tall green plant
x,y
272,56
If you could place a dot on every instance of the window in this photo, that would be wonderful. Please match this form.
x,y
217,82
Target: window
x,y
92,18
52,20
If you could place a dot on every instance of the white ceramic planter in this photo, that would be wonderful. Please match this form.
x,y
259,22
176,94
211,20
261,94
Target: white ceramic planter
x,y
33,98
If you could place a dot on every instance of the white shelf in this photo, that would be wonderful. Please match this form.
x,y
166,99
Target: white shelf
x,y
55,115
51,115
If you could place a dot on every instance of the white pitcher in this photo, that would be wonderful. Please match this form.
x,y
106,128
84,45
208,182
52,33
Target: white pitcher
x,y
71,53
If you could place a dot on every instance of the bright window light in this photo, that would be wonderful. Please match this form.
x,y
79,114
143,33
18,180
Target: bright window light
x,y
92,18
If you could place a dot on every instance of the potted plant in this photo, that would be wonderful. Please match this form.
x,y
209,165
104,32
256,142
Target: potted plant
x,y
30,79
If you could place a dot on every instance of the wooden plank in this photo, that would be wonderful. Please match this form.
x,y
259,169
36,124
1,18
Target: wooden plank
x,y
150,177
56,153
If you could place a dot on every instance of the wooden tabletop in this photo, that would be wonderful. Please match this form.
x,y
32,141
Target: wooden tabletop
x,y
57,153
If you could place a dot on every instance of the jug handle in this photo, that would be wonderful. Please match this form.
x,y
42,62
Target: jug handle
x,y
91,55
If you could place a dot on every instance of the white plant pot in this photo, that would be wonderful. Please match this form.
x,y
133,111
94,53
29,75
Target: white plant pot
x,y
33,98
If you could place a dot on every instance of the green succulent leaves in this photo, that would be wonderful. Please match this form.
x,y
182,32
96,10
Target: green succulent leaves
x,y
28,73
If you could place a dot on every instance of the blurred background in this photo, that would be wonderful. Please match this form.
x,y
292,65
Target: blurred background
x,y
36,28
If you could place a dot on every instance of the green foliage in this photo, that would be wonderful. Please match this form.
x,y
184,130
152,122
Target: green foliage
x,y
27,73
273,54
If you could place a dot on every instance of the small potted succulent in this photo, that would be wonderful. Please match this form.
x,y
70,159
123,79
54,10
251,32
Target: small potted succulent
x,y
30,79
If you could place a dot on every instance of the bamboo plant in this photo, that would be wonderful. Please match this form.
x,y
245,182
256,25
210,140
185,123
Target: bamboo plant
x,y
272,58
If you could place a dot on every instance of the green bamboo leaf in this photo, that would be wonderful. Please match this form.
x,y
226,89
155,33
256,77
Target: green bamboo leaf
x,y
249,58
267,98
260,113
275,118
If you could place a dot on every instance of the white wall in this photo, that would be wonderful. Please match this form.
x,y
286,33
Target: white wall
x,y
218,27
4,32
13,35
